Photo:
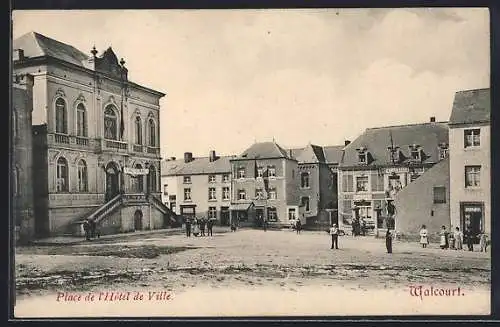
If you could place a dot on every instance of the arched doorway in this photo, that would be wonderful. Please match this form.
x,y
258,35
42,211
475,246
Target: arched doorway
x,y
112,181
138,220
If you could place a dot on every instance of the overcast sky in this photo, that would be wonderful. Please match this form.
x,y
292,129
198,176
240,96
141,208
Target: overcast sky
x,y
233,77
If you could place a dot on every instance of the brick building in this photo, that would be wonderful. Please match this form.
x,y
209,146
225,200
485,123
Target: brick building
x,y
21,158
198,186
470,157
96,149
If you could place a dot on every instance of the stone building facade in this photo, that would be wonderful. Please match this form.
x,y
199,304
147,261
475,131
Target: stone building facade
x,y
470,157
95,139
21,158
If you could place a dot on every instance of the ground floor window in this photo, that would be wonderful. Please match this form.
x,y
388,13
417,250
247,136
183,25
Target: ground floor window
x,y
472,216
212,212
292,214
272,214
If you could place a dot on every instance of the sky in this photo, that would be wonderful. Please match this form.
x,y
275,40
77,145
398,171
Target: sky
x,y
296,76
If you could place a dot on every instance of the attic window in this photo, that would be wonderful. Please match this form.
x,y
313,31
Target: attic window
x,y
415,153
443,150
394,154
362,155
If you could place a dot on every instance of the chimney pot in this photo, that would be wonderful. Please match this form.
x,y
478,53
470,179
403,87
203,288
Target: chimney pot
x,y
212,156
433,119
188,157
347,142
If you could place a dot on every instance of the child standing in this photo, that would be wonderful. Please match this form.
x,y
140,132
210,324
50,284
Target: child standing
x,y
424,240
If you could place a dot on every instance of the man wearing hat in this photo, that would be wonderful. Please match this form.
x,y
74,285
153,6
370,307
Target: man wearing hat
x,y
334,232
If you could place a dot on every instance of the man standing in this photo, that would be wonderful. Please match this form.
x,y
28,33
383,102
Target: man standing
x,y
334,232
210,225
298,226
188,226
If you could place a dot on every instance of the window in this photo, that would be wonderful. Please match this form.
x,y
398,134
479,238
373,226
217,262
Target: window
x,y
138,181
82,176
242,195
259,193
211,178
62,175
415,154
212,193
138,130
152,178
443,153
187,194
152,132
377,181
225,178
439,194
241,172
347,183
362,158
271,171
260,172
365,212
212,212
81,120
165,189
273,194
304,180
472,137
272,214
110,123
305,203
362,184
292,214
173,206
472,176
394,185
172,199
225,193
187,179
61,117
394,154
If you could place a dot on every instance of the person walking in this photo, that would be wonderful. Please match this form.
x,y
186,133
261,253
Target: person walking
x,y
388,240
210,225
188,227
459,238
298,226
334,232
424,237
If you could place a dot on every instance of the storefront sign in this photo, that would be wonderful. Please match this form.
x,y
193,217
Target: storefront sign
x,y
136,171
472,209
396,170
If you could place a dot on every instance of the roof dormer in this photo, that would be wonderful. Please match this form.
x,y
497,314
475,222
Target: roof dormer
x,y
416,153
395,154
363,156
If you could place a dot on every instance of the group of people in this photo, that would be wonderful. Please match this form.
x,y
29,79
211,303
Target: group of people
x,y
358,227
455,240
197,226
297,226
90,229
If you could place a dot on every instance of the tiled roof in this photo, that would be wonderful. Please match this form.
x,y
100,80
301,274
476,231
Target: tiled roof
x,y
200,165
377,141
36,45
333,154
264,150
471,106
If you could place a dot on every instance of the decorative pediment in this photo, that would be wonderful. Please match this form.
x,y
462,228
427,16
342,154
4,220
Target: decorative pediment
x,y
79,156
80,99
60,93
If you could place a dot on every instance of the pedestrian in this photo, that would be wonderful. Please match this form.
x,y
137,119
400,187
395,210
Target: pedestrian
x,y
388,240
458,235
424,238
334,232
188,227
196,227
93,227
203,224
443,238
470,239
210,225
298,226
483,242
86,229
451,239
363,227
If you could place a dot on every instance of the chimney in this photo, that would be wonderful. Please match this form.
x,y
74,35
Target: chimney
x,y
212,156
290,153
188,157
347,142
18,55
433,119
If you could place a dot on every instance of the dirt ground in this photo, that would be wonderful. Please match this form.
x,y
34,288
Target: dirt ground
x,y
244,260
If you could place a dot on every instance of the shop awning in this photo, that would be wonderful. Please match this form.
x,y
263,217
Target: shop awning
x,y
240,206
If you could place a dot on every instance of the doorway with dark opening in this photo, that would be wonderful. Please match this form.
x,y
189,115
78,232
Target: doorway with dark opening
x,y
138,220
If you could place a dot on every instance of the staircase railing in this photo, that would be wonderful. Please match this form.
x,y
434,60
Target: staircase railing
x,y
162,207
105,209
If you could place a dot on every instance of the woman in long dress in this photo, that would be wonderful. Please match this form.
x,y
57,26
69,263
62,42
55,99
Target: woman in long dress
x,y
443,236
196,228
424,239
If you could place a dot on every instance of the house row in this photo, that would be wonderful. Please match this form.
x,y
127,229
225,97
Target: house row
x,y
433,173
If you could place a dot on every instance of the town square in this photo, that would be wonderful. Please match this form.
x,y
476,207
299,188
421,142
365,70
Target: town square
x,y
244,163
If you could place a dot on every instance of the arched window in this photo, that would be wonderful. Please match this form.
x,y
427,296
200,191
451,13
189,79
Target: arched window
x,y
152,132
152,178
62,175
83,184
81,120
61,117
15,184
138,130
140,180
110,123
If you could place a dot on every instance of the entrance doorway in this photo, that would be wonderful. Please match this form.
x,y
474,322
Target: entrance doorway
x,y
112,181
138,220
224,216
472,214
